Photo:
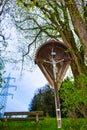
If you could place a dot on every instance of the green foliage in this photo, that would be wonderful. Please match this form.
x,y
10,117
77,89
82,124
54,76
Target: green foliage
x,y
46,124
82,86
73,99
26,3
0,80
44,100
1,71
67,94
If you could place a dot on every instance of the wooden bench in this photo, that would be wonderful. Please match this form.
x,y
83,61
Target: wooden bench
x,y
26,115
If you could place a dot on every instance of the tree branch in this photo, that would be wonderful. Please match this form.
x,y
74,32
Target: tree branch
x,y
32,43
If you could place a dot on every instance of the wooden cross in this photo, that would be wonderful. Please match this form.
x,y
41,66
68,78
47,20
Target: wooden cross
x,y
60,60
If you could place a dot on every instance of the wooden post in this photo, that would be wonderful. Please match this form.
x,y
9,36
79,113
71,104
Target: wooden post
x,y
57,106
37,118
59,65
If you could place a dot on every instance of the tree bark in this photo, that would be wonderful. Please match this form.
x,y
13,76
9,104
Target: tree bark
x,y
78,23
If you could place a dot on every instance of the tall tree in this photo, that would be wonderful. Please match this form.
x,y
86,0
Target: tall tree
x,y
44,100
57,19
60,19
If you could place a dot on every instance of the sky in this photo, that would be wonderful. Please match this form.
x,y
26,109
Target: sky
x,y
26,87
28,83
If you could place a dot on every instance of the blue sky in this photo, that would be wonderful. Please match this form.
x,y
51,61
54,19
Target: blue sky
x,y
26,86
30,81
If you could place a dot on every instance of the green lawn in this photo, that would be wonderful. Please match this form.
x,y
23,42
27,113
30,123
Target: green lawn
x,y
46,124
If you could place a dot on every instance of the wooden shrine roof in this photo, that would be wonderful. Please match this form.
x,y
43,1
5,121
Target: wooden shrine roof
x,y
43,54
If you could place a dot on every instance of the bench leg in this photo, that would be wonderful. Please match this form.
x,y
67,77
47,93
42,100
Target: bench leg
x,y
37,118
6,123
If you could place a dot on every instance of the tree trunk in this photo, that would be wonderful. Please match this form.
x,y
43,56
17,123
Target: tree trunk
x,y
79,23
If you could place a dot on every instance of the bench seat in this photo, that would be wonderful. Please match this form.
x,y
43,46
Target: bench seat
x,y
32,115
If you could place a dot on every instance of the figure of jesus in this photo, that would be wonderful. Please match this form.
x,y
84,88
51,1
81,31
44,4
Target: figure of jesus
x,y
54,64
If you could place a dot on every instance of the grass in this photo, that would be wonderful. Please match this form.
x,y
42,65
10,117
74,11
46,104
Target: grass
x,y
46,124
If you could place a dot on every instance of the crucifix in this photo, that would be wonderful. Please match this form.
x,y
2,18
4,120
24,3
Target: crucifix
x,y
57,101
54,53
53,62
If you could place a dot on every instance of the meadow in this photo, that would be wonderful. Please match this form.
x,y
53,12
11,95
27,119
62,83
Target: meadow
x,y
46,124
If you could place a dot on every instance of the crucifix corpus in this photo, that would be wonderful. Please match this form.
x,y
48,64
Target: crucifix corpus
x,y
53,58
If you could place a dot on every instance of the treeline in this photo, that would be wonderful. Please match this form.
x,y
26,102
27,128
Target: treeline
x,y
44,100
70,99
